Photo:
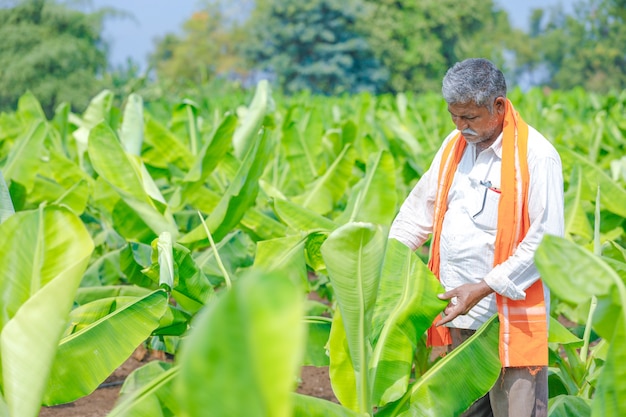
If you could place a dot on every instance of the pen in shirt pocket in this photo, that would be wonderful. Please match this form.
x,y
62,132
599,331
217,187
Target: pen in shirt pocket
x,y
490,186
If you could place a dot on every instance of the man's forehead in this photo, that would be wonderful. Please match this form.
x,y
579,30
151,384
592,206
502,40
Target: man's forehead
x,y
464,108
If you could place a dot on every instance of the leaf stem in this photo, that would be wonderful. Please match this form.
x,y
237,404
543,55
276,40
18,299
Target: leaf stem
x,y
217,255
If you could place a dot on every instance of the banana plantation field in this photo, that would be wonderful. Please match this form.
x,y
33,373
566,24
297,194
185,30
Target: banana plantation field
x,y
247,237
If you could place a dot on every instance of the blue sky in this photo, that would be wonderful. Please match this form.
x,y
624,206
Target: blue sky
x,y
153,18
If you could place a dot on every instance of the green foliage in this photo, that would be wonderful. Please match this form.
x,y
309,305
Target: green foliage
x,y
418,41
313,45
55,52
298,192
585,49
206,49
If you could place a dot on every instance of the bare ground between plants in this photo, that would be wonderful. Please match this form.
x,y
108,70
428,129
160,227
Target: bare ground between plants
x,y
314,382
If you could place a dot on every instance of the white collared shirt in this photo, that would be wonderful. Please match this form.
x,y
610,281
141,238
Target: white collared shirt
x,y
469,228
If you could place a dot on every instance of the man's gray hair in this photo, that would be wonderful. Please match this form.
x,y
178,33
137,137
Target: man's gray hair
x,y
475,80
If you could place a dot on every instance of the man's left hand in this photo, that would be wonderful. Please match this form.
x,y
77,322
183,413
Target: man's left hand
x,y
462,299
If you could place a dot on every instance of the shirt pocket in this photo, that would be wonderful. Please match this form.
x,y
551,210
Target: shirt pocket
x,y
486,215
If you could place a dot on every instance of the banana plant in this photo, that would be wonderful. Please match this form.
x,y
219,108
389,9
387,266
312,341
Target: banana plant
x,y
240,357
386,299
585,375
44,253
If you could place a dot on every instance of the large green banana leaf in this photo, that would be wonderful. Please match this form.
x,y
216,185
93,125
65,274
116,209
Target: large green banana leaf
x,y
24,158
374,198
301,219
98,111
341,371
353,254
6,204
149,392
456,381
86,358
299,157
405,308
252,119
123,172
47,190
213,151
238,198
284,254
163,149
576,221
29,109
613,196
242,355
568,406
322,194
575,275
131,133
306,406
44,254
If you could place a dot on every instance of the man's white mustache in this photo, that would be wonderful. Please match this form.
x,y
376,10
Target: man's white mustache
x,y
469,132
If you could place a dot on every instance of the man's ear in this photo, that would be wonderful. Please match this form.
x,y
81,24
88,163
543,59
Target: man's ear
x,y
500,105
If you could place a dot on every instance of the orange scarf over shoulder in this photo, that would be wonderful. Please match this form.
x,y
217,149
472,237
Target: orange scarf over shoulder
x,y
523,326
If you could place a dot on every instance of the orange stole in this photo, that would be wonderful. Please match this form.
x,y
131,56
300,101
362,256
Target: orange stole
x,y
523,325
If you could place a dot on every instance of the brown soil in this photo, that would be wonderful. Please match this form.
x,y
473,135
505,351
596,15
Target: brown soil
x,y
314,382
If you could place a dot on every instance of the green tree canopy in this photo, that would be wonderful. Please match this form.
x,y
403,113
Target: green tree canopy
x,y
418,41
56,53
207,48
584,49
313,45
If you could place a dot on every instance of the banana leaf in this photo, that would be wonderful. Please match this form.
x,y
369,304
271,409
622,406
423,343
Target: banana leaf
x,y
163,149
300,158
456,381
44,254
568,406
24,158
321,195
98,111
576,221
29,109
213,151
405,308
613,196
86,358
242,355
148,392
306,406
86,295
131,133
353,254
6,205
238,198
123,172
284,254
301,219
588,275
252,119
373,199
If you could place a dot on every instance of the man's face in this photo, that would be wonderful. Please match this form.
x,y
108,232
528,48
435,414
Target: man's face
x,y
477,124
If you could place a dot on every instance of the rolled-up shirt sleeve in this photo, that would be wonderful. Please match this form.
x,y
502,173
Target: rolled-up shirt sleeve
x,y
545,208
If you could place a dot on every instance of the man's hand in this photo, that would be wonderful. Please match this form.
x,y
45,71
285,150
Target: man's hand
x,y
462,299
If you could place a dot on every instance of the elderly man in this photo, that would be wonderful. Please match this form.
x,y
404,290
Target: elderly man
x,y
494,189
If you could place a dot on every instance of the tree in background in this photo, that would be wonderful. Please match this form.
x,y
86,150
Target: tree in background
x,y
418,41
207,48
584,49
56,53
314,45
